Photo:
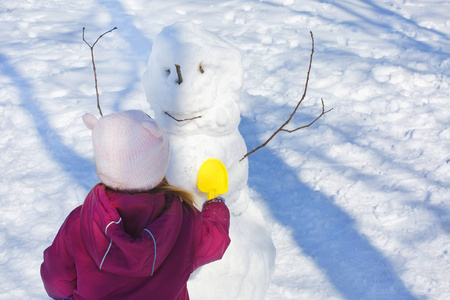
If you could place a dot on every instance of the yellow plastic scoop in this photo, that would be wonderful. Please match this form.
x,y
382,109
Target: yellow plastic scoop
x,y
212,178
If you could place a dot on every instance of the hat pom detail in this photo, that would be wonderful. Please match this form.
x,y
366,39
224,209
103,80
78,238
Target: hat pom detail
x,y
90,121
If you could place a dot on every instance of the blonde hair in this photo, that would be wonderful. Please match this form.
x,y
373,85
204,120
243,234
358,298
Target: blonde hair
x,y
184,195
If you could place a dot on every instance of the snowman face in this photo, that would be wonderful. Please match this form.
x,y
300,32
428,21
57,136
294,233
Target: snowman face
x,y
194,75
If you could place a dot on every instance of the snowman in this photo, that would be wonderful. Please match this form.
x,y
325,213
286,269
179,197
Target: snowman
x,y
193,83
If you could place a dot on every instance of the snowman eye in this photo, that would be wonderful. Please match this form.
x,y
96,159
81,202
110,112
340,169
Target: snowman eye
x,y
200,67
167,71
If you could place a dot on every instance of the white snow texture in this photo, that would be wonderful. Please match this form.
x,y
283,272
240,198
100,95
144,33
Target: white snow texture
x,y
357,206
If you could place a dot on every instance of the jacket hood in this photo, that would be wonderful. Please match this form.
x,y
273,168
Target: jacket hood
x,y
139,247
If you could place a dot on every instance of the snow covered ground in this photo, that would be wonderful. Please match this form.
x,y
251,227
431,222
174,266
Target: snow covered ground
x,y
358,203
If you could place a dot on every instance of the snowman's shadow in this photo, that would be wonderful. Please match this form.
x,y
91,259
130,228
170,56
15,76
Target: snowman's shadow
x,y
323,231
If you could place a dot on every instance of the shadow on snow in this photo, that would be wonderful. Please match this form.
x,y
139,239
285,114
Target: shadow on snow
x,y
75,166
322,230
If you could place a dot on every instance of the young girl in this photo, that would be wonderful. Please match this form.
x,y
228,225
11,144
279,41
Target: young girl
x,y
136,236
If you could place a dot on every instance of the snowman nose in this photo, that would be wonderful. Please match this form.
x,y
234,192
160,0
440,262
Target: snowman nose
x,y
180,78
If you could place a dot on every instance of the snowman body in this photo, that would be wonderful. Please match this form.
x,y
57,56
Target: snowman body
x,y
198,106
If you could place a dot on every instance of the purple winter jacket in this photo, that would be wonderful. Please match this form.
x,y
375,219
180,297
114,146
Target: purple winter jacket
x,y
133,246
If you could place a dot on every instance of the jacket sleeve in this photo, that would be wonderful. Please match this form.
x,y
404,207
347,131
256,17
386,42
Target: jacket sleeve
x,y
58,269
212,239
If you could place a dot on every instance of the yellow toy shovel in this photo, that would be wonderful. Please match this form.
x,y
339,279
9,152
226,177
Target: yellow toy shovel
x,y
212,178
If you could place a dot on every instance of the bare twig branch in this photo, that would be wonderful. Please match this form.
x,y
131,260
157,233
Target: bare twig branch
x,y
305,126
93,65
180,78
200,68
182,120
281,128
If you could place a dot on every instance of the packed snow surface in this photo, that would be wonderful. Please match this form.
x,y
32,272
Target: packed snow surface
x,y
357,204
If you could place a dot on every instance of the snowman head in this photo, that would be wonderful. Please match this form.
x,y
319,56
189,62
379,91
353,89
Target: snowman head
x,y
212,76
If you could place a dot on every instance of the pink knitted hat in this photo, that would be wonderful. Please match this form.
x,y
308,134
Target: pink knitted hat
x,y
131,150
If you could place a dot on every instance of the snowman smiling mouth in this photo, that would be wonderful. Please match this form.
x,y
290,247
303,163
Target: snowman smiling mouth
x,y
182,120
180,81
